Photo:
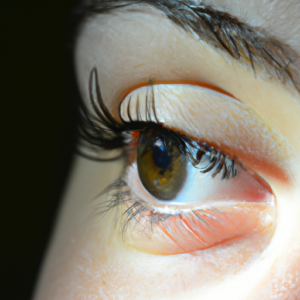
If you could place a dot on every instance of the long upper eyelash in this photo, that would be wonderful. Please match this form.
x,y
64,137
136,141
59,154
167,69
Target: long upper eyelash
x,y
217,160
98,128
101,130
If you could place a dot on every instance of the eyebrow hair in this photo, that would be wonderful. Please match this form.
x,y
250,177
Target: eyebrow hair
x,y
221,30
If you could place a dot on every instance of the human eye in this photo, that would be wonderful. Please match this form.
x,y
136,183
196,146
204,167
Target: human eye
x,y
187,182
177,194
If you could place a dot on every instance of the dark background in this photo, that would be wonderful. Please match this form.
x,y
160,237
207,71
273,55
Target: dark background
x,y
38,117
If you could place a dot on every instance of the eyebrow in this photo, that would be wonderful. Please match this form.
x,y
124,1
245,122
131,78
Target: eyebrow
x,y
221,30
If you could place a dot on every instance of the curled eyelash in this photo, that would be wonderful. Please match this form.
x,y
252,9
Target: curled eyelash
x,y
98,129
216,160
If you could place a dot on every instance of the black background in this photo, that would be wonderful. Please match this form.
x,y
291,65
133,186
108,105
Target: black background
x,y
37,133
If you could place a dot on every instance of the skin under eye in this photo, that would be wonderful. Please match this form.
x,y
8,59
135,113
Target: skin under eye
x,y
179,203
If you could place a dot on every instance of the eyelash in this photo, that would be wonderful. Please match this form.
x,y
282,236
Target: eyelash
x,y
101,131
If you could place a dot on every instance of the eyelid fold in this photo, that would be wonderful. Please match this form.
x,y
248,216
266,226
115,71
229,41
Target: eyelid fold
x,y
221,121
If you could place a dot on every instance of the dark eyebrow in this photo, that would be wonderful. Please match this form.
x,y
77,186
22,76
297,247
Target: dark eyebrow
x,y
221,30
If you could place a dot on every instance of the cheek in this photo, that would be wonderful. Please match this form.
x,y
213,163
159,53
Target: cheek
x,y
283,280
99,265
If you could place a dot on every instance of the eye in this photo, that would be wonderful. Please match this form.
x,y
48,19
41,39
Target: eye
x,y
178,194
180,201
175,169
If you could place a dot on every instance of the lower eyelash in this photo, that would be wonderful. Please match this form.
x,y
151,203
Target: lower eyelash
x,y
132,210
119,194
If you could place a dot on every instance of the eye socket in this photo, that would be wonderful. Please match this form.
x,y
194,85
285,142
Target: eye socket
x,y
173,190
162,166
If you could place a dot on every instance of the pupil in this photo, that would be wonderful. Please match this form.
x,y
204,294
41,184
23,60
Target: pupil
x,y
161,157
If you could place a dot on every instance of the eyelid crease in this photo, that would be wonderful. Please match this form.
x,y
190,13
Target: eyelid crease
x,y
173,82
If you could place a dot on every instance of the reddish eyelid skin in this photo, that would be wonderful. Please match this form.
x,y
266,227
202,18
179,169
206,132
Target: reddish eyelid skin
x,y
202,229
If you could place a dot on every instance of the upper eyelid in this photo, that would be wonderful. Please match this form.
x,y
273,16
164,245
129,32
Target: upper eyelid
x,y
109,135
243,139
150,113
108,122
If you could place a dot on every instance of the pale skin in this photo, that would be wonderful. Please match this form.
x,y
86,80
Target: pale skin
x,y
88,259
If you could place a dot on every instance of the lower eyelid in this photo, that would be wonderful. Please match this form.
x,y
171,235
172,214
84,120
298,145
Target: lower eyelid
x,y
196,230
171,230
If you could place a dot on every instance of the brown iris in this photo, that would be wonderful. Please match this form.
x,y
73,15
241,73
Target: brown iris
x,y
161,164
